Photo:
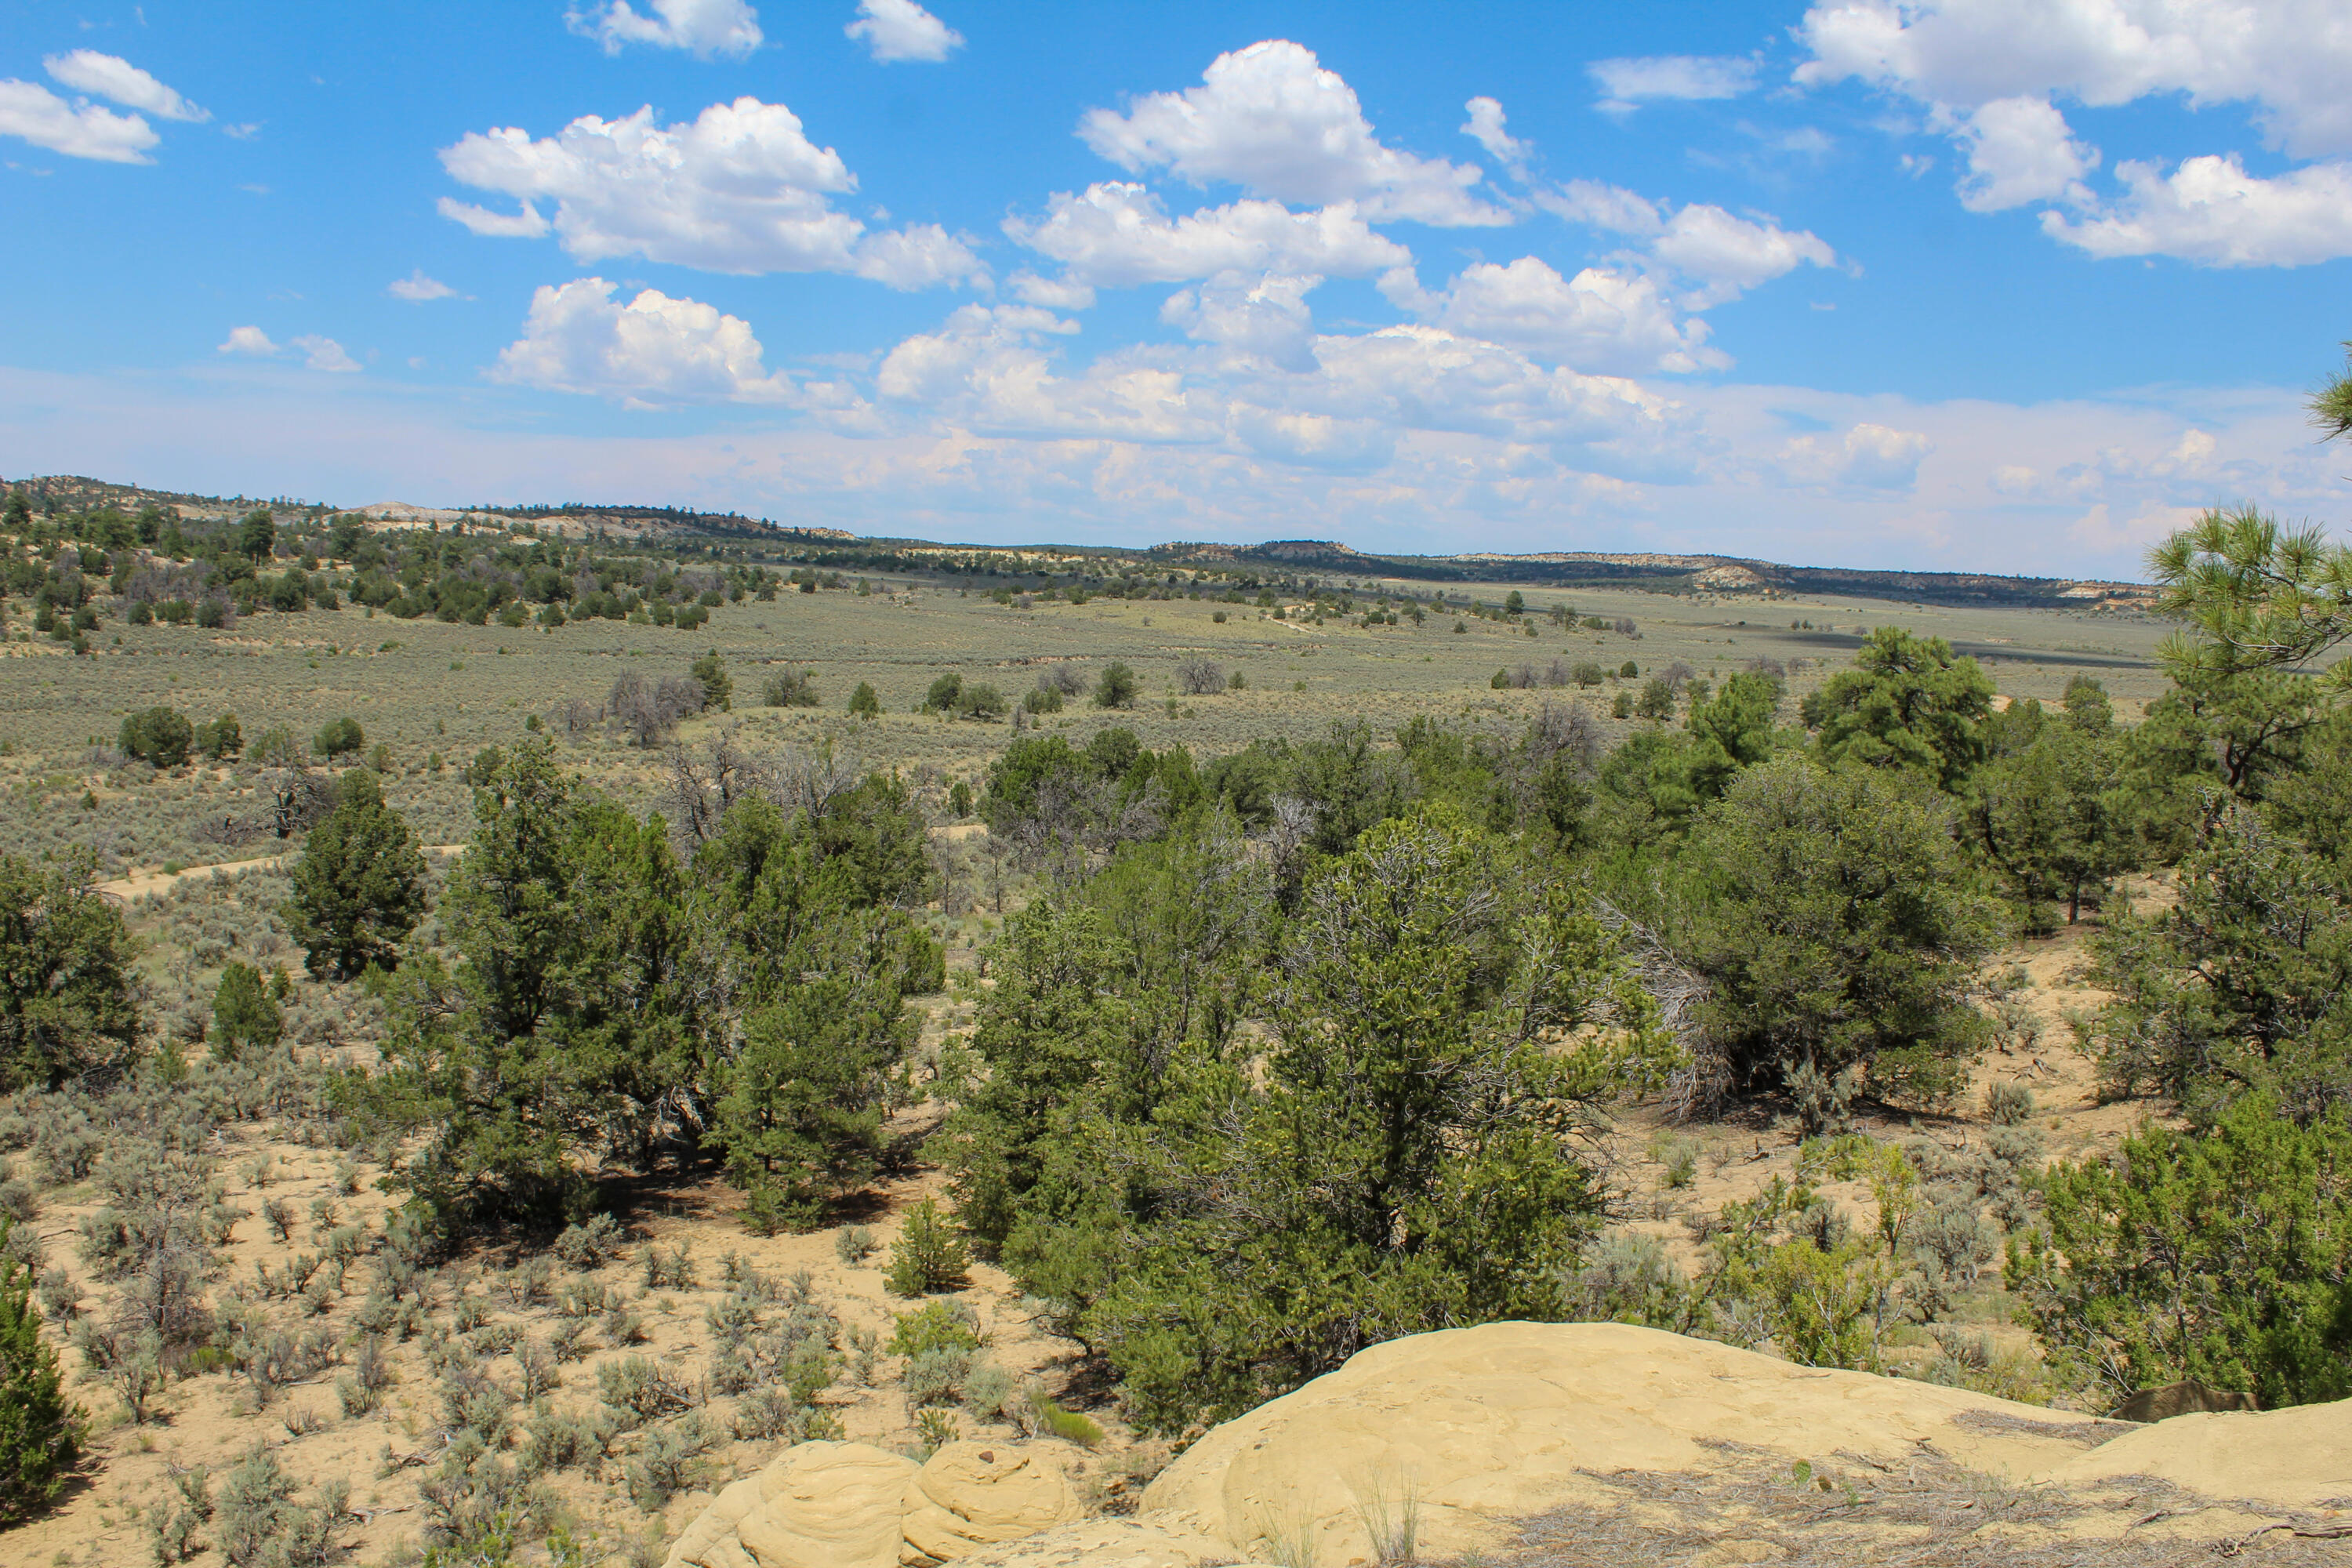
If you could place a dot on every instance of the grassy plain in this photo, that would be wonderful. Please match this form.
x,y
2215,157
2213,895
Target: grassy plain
x,y
428,690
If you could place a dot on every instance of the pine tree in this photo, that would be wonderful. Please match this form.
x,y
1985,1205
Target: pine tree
x,y
40,1433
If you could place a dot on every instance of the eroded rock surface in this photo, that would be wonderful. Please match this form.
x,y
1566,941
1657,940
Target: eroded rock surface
x,y
850,1504
1455,1437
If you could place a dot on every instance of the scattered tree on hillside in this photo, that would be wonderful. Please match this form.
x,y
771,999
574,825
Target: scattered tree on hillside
x,y
1839,937
159,736
246,1015
67,1003
1114,687
359,883
40,1431
1907,702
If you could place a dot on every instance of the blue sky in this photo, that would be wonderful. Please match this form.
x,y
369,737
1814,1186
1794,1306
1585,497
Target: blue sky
x,y
2010,285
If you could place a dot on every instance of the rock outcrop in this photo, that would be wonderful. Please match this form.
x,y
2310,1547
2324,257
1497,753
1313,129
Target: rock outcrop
x,y
1454,1437
820,1505
1485,1425
850,1504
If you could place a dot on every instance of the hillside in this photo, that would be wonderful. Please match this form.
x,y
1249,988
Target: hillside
x,y
1681,573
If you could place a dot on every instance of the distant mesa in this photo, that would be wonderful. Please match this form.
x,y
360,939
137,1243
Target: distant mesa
x,y
1716,575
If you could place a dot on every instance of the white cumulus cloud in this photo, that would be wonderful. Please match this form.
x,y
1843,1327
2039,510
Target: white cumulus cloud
x,y
116,79
1264,315
324,353
1868,457
33,113
704,26
1116,234
1721,255
1986,71
2020,151
416,288
1270,119
740,189
895,30
652,351
1601,320
526,224
1628,83
318,352
2289,58
2210,211
1485,127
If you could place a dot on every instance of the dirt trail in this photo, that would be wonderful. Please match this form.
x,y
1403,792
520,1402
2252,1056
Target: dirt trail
x,y
159,880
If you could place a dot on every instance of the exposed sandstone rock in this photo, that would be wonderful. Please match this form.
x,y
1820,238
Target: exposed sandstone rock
x,y
819,1505
971,1494
1496,1423
1107,1544
1477,1428
2300,1458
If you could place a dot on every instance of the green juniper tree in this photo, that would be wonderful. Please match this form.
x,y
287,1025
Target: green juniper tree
x,y
2224,1255
1403,1157
1907,702
245,1016
159,736
1839,934
40,1430
359,884
66,1002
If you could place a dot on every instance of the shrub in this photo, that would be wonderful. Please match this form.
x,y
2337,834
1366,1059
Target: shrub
x,y
40,1433
935,1325
674,1269
159,736
669,1461
587,1246
863,700
929,1257
792,688
1202,677
221,739
1067,1424
989,1391
718,685
2224,1257
637,1389
244,1013
340,738
1116,686
941,697
276,748
1842,934
2007,1104
935,1377
855,1244
647,710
